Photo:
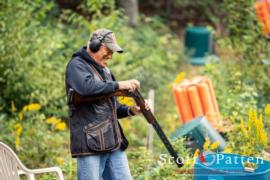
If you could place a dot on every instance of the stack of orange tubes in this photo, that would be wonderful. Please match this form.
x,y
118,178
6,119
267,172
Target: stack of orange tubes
x,y
196,97
263,12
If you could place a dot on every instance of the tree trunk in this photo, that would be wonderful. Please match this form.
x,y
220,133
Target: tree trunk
x,y
131,10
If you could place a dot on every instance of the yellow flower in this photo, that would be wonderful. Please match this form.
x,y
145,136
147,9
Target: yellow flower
x,y
53,120
126,100
264,139
227,150
60,161
180,77
13,107
256,128
60,126
262,134
214,145
206,144
17,143
251,117
196,153
57,123
18,131
267,109
190,162
33,107
20,115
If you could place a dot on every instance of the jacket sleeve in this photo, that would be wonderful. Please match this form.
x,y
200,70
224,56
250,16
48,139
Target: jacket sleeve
x,y
122,110
83,82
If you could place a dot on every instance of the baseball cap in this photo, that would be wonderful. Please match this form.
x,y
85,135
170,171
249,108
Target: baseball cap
x,y
108,38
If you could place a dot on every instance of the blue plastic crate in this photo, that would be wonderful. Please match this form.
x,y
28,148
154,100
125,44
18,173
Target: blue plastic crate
x,y
230,167
197,130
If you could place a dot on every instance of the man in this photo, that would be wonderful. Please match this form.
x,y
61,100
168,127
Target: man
x,y
97,140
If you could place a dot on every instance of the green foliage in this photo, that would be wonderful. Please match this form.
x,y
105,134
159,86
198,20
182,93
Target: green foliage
x,y
245,29
241,78
180,13
37,41
29,54
97,6
23,67
205,11
140,160
35,49
32,136
153,53
232,89
150,51
240,139
251,48
145,164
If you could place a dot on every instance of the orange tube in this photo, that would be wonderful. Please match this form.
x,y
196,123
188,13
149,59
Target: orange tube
x,y
268,17
184,105
205,98
268,5
213,96
263,13
207,104
214,117
176,99
194,99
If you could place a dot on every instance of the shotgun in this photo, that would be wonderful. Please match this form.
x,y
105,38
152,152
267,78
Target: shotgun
x,y
76,99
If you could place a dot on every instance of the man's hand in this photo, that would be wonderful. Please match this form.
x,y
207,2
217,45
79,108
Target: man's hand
x,y
130,85
136,109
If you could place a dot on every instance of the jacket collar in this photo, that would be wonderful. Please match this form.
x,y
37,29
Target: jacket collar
x,y
84,55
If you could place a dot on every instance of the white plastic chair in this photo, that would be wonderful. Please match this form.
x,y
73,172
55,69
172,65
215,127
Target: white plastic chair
x,y
11,167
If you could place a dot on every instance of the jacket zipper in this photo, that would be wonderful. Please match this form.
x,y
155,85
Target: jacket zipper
x,y
117,131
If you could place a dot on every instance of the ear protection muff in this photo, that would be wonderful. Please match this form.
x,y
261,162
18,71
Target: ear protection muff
x,y
95,44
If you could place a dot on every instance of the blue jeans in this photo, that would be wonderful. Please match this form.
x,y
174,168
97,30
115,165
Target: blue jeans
x,y
109,166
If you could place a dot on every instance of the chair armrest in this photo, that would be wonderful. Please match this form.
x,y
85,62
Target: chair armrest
x,y
44,170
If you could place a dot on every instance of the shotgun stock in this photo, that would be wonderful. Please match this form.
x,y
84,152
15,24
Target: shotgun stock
x,y
76,99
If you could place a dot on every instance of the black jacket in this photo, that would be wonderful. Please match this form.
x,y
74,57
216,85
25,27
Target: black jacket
x,y
94,127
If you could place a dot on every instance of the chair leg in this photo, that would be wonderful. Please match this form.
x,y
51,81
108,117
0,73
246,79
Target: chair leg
x,y
60,175
30,176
